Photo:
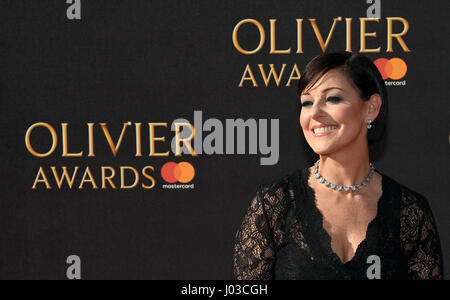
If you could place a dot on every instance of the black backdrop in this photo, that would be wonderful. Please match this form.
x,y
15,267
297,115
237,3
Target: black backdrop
x,y
156,61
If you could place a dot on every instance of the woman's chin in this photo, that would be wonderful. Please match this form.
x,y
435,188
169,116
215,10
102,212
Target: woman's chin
x,y
324,150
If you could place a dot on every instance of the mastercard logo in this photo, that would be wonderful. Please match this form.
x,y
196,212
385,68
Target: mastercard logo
x,y
394,68
173,172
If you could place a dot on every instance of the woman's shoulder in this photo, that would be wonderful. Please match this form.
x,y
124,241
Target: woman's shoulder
x,y
408,198
276,198
280,189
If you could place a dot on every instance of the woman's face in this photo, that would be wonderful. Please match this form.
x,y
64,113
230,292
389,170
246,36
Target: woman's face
x,y
334,104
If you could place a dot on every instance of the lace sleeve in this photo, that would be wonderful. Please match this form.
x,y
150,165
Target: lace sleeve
x,y
421,239
254,248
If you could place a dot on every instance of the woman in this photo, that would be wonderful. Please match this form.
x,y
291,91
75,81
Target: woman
x,y
341,218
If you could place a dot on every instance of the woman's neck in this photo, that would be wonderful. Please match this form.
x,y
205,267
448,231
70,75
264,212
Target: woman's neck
x,y
346,167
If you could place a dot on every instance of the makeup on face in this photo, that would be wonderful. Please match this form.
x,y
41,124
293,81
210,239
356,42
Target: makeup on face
x,y
323,129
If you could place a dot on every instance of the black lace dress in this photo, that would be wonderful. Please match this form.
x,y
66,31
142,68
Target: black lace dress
x,y
282,236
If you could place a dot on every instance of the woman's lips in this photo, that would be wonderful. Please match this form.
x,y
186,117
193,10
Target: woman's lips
x,y
322,131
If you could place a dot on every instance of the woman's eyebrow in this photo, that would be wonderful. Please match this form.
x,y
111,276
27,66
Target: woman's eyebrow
x,y
330,88
324,91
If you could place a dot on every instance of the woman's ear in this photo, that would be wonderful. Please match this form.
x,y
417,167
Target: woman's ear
x,y
374,105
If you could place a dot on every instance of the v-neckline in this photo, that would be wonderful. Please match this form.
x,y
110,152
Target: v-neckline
x,y
324,236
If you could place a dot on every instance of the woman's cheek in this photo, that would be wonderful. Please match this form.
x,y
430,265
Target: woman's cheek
x,y
343,115
303,121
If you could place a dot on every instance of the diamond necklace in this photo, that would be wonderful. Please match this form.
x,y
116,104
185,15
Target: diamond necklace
x,y
342,187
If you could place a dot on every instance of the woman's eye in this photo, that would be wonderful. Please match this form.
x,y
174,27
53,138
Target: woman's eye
x,y
334,99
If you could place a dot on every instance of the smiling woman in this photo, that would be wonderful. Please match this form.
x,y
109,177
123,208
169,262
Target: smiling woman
x,y
340,218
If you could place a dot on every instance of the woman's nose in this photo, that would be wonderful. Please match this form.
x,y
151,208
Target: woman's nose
x,y
316,109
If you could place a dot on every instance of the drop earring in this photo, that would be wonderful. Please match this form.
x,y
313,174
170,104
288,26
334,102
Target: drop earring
x,y
369,123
